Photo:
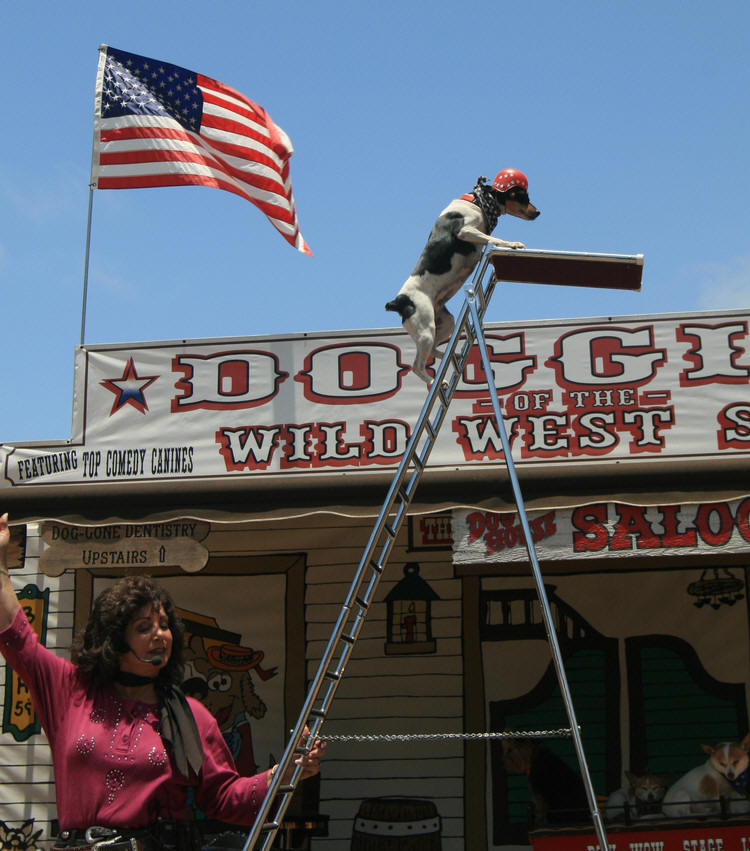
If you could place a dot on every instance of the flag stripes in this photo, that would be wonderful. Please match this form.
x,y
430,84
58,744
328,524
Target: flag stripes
x,y
157,124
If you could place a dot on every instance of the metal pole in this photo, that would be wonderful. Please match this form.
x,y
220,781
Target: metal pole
x,y
543,601
86,264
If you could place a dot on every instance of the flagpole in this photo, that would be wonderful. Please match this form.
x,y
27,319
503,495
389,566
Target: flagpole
x,y
94,177
86,264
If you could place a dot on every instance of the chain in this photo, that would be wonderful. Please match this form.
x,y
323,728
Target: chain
x,y
561,732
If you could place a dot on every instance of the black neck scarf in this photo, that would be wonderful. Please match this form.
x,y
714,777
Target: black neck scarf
x,y
177,725
486,199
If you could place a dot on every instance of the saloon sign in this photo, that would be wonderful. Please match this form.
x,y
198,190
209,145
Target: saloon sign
x,y
584,390
602,530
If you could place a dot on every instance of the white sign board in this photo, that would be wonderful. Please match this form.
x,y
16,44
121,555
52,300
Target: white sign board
x,y
573,391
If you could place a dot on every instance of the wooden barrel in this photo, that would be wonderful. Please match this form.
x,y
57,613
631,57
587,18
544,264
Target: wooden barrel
x,y
396,824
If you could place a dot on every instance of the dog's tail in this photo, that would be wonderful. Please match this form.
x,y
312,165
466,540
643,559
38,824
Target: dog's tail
x,y
402,305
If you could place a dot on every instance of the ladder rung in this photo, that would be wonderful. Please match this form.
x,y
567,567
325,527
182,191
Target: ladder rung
x,y
406,492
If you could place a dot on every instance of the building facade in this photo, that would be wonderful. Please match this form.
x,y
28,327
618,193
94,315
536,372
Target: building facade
x,y
247,474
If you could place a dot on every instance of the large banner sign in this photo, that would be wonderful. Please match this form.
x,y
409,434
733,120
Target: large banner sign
x,y
578,391
602,530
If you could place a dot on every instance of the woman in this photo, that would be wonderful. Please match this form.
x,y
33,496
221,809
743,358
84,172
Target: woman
x,y
128,748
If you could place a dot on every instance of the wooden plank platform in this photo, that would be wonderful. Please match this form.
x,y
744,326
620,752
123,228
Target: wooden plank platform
x,y
568,268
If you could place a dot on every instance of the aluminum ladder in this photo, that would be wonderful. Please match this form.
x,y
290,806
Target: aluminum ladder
x,y
467,330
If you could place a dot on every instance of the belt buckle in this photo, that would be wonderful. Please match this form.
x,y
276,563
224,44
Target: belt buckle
x,y
101,837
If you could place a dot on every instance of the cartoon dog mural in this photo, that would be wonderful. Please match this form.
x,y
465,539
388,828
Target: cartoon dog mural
x,y
219,674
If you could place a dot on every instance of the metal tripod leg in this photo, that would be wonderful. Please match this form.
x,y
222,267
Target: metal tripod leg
x,y
375,557
543,601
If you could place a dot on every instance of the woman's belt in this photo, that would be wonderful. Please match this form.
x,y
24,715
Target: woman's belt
x,y
106,839
160,836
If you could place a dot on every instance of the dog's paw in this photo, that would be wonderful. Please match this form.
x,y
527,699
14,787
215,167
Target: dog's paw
x,y
420,373
503,243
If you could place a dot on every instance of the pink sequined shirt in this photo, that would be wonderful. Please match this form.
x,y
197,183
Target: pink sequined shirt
x,y
111,767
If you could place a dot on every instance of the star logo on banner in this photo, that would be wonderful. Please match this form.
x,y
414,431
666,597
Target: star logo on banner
x,y
129,388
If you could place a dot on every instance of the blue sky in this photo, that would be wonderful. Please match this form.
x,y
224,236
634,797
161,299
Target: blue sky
x,y
629,118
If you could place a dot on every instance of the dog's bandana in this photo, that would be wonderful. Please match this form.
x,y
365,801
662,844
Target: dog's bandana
x,y
485,197
740,782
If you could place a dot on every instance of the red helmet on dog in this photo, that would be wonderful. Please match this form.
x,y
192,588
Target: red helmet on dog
x,y
508,178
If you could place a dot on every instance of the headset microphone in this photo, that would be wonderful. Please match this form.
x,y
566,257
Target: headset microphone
x,y
154,660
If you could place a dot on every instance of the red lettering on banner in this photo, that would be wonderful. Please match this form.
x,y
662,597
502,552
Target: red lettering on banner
x,y
352,373
226,380
559,434
606,356
330,448
476,523
595,432
646,428
742,519
723,528
504,532
436,530
714,353
672,537
734,422
546,435
632,522
312,445
533,400
590,520
250,447
479,438
296,443
509,363
712,523
354,368
384,441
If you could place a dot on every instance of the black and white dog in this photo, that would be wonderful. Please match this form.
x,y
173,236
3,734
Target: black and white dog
x,y
452,251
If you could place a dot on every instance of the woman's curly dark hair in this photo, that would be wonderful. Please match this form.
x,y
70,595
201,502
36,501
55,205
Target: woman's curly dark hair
x,y
97,648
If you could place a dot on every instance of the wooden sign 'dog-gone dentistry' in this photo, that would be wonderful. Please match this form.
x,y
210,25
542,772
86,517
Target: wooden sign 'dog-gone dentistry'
x,y
142,545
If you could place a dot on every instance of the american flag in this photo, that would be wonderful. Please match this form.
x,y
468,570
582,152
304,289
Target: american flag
x,y
156,124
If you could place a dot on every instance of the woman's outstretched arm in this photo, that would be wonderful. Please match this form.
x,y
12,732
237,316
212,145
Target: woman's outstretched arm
x,y
9,604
